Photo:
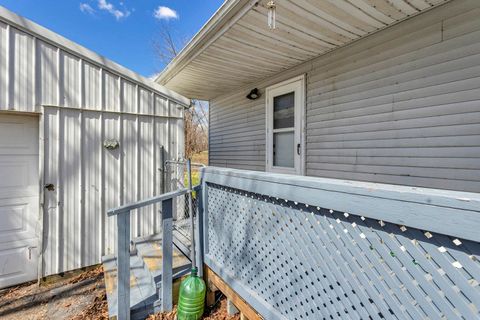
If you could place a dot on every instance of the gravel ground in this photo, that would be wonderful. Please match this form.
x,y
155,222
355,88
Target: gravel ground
x,y
80,297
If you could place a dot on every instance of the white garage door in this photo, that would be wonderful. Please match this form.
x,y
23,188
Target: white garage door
x,y
19,199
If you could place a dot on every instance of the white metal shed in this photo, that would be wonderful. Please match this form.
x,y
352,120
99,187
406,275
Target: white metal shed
x,y
78,134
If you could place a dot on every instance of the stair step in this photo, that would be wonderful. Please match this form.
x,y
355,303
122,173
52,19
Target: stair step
x,y
151,253
142,289
145,274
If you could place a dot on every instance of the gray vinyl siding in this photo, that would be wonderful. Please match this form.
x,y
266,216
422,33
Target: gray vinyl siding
x,y
400,107
237,133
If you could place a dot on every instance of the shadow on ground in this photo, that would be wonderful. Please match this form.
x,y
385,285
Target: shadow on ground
x,y
80,297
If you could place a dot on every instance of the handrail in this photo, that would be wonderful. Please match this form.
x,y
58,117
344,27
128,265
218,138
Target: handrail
x,y
146,202
123,249
452,213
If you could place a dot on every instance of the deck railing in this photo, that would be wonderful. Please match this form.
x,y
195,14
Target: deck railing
x,y
123,249
310,248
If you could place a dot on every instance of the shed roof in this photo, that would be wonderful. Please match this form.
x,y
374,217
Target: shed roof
x,y
49,36
236,47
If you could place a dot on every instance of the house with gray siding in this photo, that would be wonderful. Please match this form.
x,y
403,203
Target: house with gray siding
x,y
379,91
343,178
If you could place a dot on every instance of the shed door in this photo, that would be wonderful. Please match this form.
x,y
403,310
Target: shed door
x,y
19,199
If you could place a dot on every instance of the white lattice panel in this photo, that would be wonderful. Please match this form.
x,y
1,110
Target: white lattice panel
x,y
317,263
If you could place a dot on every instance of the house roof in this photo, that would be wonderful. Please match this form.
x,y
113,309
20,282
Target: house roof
x,y
51,37
236,47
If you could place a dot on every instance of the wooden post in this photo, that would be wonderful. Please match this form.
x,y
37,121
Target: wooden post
x,y
123,265
231,309
199,232
167,257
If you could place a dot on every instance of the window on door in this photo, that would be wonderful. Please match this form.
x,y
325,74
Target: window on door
x,y
285,103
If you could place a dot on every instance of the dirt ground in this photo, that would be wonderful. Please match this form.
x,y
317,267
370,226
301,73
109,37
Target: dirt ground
x,y
219,312
79,297
76,298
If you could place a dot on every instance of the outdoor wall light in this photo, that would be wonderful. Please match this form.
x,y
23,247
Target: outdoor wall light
x,y
254,94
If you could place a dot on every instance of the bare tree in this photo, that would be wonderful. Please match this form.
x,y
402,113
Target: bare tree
x,y
196,137
167,47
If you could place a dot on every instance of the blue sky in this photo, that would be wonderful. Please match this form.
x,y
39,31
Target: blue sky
x,y
122,30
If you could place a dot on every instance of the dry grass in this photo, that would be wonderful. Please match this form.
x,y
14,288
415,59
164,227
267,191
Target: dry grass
x,y
201,157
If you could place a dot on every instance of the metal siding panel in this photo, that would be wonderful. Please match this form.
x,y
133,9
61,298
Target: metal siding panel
x,y
78,236
91,80
160,142
146,102
22,82
111,91
112,172
3,66
130,164
172,129
129,97
147,215
93,212
70,81
161,106
176,110
51,206
48,73
180,141
70,187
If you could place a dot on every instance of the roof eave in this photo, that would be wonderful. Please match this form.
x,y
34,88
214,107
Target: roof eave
x,y
222,19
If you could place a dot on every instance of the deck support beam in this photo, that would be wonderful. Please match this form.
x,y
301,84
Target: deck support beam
x,y
231,309
211,278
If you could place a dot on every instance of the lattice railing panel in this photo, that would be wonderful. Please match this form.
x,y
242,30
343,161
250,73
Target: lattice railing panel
x,y
308,262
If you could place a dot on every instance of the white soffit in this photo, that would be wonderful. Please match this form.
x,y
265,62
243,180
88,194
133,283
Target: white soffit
x,y
236,46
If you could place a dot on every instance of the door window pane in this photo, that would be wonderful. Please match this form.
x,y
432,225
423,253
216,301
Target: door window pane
x,y
283,149
284,111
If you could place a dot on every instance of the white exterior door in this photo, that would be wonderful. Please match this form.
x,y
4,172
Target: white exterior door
x,y
19,199
285,123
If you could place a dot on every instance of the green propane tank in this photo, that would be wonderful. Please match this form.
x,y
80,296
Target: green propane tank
x,y
191,299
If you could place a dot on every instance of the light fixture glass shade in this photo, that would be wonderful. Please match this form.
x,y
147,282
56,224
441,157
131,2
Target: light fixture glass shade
x,y
272,14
